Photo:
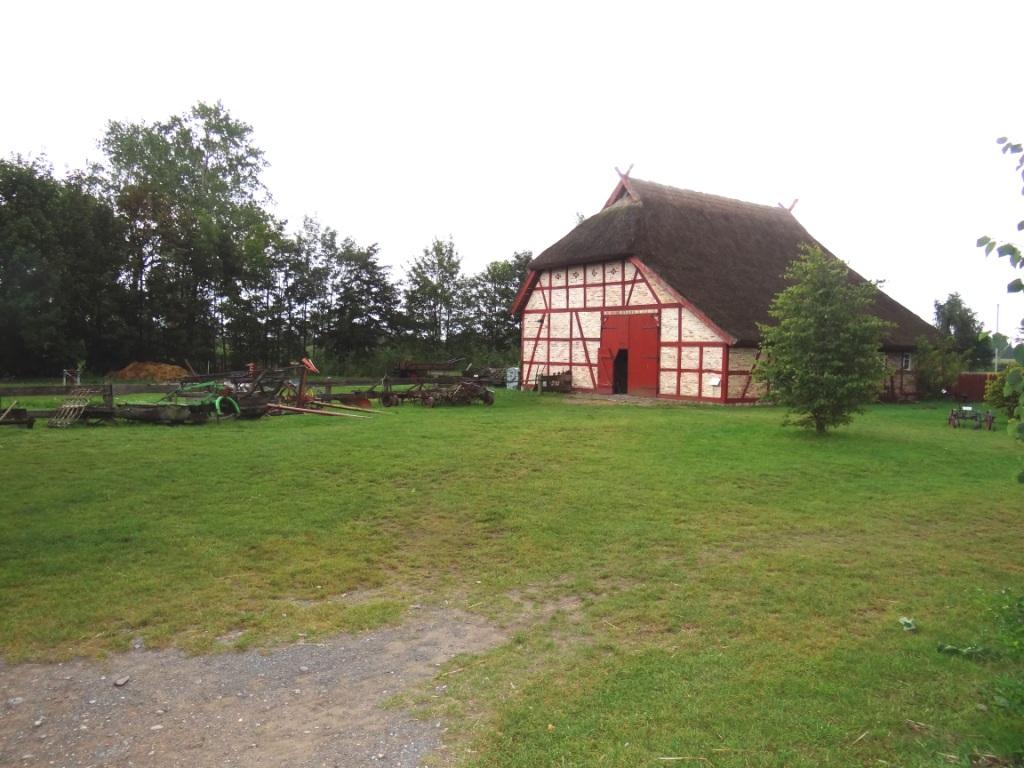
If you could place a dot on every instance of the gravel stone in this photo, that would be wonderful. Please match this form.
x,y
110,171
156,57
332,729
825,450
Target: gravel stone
x,y
243,709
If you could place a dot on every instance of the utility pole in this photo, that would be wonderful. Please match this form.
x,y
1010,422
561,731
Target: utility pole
x,y
996,369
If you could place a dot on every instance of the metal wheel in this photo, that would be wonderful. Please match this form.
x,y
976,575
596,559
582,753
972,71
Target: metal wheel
x,y
428,402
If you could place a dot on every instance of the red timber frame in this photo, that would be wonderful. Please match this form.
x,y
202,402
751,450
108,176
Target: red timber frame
x,y
563,311
748,384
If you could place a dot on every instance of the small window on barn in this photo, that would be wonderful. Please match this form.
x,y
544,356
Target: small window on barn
x,y
906,362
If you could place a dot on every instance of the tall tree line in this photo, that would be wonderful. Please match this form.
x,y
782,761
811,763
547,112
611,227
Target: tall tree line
x,y
167,251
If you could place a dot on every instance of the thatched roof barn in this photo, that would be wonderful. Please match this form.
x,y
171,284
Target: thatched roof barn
x,y
701,269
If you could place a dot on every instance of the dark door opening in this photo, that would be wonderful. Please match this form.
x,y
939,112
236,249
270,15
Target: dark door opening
x,y
620,373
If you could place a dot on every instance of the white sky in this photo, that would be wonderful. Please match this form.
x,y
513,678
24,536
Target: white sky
x,y
495,123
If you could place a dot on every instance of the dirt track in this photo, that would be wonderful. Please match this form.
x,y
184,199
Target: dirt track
x,y
315,704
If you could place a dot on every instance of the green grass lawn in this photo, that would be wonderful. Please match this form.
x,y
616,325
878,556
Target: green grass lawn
x,y
730,590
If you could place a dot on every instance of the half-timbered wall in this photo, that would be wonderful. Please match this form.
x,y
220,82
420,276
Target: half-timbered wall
x,y
900,381
742,387
571,312
567,308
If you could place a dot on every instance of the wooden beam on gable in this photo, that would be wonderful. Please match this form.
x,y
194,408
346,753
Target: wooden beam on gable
x,y
624,187
524,291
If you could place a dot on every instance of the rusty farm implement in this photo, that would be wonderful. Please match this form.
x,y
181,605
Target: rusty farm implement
x,y
429,394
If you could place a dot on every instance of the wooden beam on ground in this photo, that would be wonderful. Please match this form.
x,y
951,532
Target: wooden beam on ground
x,y
347,407
293,409
9,409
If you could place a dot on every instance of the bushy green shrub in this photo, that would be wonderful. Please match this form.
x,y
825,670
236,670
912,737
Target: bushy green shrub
x,y
936,366
995,393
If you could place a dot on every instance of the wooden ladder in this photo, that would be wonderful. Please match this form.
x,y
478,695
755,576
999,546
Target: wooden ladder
x,y
71,410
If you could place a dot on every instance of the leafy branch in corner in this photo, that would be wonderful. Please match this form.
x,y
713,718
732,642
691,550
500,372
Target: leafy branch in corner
x,y
1009,249
1014,387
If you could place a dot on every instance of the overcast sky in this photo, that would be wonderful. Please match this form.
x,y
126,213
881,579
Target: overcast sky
x,y
496,123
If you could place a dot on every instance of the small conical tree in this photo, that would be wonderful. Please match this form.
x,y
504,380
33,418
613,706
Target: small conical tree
x,y
822,359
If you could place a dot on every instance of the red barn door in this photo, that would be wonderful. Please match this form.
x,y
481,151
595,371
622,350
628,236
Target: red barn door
x,y
643,355
614,336
638,335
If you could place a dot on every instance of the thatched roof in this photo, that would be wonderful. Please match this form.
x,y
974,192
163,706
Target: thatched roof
x,y
724,256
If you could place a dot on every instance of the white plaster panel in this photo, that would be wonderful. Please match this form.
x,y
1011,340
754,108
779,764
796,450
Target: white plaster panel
x,y
689,357
670,324
595,273
741,359
559,352
641,295
670,357
695,329
712,358
575,297
536,300
535,325
590,322
559,324
575,274
579,352
710,388
532,325
667,383
612,271
528,348
581,377
558,298
628,270
688,384
541,353
661,289
558,277
592,349
595,296
737,381
613,296
544,278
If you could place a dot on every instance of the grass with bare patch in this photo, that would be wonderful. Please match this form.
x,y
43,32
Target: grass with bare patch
x,y
679,581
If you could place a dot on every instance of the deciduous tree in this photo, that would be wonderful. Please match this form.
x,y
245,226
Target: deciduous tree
x,y
956,319
61,253
435,293
936,366
363,308
190,189
491,293
822,357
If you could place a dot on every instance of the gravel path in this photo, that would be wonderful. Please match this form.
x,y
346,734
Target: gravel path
x,y
314,704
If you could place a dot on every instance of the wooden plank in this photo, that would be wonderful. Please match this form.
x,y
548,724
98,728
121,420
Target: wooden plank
x,y
137,389
91,412
117,389
291,409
